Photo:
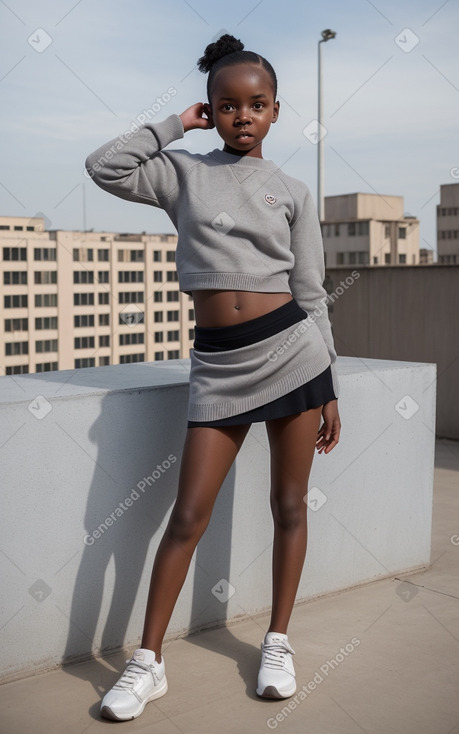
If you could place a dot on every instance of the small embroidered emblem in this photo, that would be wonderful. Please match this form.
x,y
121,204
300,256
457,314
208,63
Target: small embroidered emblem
x,y
270,199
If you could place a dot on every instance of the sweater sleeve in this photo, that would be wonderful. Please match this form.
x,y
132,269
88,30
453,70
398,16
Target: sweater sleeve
x,y
133,167
308,274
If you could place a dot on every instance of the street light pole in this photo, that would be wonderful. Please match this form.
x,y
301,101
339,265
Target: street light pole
x,y
326,36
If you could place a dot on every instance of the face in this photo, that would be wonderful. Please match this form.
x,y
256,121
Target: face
x,y
243,108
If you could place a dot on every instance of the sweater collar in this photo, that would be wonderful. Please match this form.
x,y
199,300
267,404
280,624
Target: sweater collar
x,y
241,160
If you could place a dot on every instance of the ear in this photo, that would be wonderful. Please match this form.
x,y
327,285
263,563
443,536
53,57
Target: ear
x,y
276,109
208,110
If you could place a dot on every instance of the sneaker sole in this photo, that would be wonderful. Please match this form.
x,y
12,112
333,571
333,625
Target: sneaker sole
x,y
273,692
107,712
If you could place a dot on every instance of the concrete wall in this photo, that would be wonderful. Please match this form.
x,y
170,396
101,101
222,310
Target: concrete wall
x,y
90,461
403,313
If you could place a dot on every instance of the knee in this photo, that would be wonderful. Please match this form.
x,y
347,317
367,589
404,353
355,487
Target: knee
x,y
186,524
288,509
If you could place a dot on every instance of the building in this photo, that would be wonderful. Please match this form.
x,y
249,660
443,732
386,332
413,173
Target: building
x,y
448,224
369,229
86,299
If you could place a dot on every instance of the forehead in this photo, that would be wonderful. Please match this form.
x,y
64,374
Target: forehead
x,y
242,78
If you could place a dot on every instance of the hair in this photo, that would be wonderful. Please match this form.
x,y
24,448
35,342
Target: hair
x,y
229,51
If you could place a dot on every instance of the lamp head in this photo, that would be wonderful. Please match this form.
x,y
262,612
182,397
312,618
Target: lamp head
x,y
327,34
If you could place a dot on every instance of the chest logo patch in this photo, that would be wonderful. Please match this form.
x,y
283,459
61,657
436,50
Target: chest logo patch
x,y
270,199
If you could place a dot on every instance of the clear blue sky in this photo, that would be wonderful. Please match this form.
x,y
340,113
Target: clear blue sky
x,y
391,115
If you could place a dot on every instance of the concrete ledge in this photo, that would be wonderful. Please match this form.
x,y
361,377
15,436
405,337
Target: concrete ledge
x,y
90,461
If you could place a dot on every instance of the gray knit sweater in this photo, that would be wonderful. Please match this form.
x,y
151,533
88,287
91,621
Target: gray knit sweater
x,y
242,223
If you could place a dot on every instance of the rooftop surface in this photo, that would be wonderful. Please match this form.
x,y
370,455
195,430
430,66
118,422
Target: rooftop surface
x,y
382,658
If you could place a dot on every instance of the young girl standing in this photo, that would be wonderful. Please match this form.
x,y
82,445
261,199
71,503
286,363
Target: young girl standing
x,y
250,254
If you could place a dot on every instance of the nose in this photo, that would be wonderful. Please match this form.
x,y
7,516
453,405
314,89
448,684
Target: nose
x,y
244,118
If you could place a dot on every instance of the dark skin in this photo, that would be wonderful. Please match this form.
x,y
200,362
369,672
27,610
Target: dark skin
x,y
242,109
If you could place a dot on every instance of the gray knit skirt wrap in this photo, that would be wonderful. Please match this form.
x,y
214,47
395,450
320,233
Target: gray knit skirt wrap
x,y
231,381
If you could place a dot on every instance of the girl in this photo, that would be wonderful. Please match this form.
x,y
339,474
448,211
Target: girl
x,y
250,254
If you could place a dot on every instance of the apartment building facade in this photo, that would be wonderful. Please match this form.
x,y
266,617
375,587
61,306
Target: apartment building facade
x,y
369,229
448,225
86,299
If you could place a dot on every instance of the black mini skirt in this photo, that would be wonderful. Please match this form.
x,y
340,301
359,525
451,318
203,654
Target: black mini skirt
x,y
312,394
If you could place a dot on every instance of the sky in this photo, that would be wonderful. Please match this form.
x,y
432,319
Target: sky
x,y
73,75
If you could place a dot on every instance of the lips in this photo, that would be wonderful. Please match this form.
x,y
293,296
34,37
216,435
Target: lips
x,y
244,135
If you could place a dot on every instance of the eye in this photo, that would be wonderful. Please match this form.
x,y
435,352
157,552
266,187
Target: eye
x,y
258,105
227,107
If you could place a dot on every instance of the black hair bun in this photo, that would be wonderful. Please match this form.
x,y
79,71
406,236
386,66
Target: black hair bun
x,y
226,44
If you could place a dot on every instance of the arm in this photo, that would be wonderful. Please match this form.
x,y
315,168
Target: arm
x,y
133,166
306,283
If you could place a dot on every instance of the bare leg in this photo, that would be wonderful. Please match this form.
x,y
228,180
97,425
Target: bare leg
x,y
292,441
207,457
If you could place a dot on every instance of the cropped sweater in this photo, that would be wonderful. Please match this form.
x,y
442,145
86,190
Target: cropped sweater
x,y
242,223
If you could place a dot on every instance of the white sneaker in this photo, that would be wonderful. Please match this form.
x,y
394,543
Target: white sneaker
x,y
143,680
276,677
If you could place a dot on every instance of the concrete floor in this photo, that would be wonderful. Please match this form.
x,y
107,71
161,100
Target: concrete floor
x,y
398,676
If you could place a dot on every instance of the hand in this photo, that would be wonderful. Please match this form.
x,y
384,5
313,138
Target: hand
x,y
328,435
193,119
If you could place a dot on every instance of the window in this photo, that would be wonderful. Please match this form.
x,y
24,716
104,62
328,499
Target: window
x,y
4,226
104,340
14,253
15,277
170,256
172,276
352,258
375,260
103,299
136,256
157,256
336,230
15,301
159,356
86,362
158,337
402,233
16,348
173,354
190,333
46,345
83,299
363,228
45,277
191,313
362,257
104,319
130,276
172,336
83,320
351,229
44,253
17,369
132,338
46,367
30,229
103,255
17,324
103,276
172,296
18,228
402,259
157,276
83,276
134,297
76,255
46,322
387,231
129,358
172,315
340,258
104,361
83,342
158,317
158,297
387,258
45,299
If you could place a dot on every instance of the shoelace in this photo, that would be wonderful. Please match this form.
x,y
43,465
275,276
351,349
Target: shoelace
x,y
131,675
275,654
